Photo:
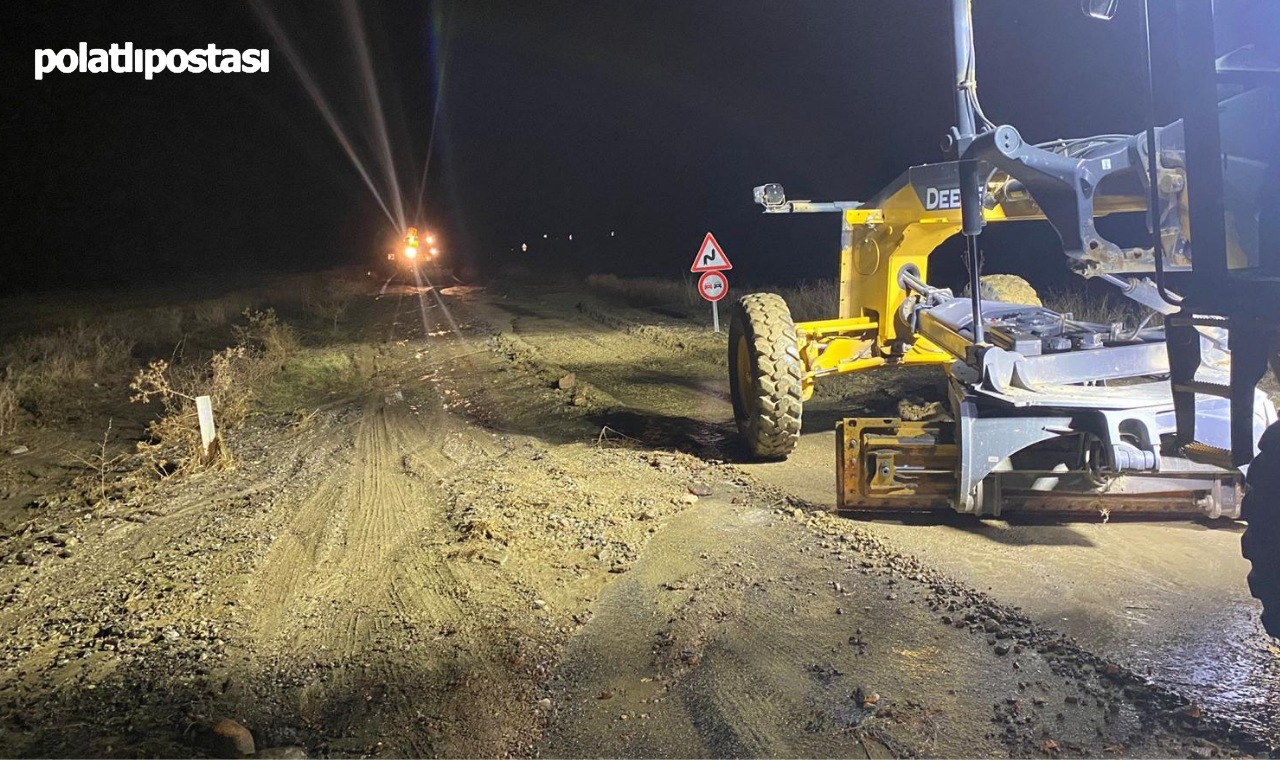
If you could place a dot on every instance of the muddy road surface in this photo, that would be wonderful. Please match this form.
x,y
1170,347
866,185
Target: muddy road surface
x,y
500,525
1167,599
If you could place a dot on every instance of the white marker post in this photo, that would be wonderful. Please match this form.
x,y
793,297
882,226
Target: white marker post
x,y
711,263
204,410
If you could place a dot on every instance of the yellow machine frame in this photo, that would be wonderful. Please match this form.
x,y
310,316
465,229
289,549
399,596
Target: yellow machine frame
x,y
877,241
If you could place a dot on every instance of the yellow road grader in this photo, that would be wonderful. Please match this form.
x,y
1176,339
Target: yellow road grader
x,y
1046,412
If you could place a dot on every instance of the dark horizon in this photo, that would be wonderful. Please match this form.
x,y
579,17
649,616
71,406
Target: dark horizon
x,y
653,124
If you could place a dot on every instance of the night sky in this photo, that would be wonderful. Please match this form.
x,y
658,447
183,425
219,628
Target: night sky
x,y
652,120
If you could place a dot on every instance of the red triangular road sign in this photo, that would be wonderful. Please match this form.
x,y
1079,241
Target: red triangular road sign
x,y
710,257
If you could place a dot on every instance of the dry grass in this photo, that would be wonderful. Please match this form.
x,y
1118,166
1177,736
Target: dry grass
x,y
70,355
812,299
212,313
50,371
166,315
646,292
154,325
330,297
8,407
77,343
1105,309
819,299
267,335
231,378
99,463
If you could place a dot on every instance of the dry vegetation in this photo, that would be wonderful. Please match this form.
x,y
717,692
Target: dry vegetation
x,y
230,346
819,299
8,407
811,299
1105,309
44,372
226,347
329,298
231,378
646,292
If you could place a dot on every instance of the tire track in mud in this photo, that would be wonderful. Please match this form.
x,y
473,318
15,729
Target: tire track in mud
x,y
661,412
340,550
356,605
734,652
752,656
645,387
338,607
363,623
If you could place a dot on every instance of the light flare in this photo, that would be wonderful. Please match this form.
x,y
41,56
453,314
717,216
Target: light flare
x,y
355,25
439,52
321,103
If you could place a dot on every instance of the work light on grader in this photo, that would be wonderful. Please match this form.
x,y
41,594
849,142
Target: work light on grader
x,y
413,246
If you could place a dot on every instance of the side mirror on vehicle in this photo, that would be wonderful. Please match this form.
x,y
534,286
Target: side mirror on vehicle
x,y
1104,10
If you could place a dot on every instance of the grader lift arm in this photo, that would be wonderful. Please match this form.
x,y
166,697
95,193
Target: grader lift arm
x,y
1047,412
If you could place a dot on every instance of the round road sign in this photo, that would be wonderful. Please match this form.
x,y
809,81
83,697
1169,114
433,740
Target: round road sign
x,y
713,285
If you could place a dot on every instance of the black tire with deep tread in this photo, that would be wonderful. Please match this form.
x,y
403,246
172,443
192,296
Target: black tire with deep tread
x,y
767,404
1260,543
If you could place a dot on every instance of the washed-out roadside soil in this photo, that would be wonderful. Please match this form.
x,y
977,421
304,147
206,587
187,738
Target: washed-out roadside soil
x,y
459,546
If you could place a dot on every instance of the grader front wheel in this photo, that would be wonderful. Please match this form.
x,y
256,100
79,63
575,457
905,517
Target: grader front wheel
x,y
765,375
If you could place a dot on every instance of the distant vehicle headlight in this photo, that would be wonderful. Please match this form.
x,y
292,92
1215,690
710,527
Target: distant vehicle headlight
x,y
410,252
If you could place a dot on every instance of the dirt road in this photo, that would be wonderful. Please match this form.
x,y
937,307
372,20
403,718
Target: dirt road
x,y
1165,599
451,546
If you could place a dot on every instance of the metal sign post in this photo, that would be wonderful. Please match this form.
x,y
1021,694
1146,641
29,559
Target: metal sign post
x,y
713,284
